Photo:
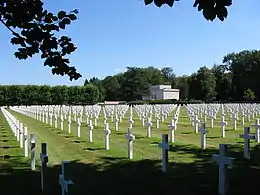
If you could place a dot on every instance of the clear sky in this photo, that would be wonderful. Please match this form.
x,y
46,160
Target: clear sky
x,y
113,34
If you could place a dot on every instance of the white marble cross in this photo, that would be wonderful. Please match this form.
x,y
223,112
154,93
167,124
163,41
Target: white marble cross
x,y
172,127
95,120
196,123
90,131
130,138
143,120
157,121
107,133
257,130
165,148
33,145
149,125
234,118
242,117
131,122
61,122
212,117
69,124
222,161
18,131
51,119
247,137
203,133
79,126
62,181
44,161
21,135
26,142
116,123
223,124
56,121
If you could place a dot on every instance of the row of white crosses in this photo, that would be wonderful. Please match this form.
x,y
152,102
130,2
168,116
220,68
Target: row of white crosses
x,y
43,155
221,159
20,131
130,138
212,110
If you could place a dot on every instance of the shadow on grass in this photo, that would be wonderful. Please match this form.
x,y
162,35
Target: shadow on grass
x,y
9,156
93,149
213,137
8,147
186,133
121,176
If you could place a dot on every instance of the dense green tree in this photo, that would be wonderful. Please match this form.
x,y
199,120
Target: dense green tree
x,y
203,85
89,94
112,87
169,76
183,85
59,95
134,85
47,95
245,69
223,82
97,82
249,95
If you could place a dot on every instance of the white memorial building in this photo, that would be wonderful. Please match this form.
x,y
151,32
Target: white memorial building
x,y
163,92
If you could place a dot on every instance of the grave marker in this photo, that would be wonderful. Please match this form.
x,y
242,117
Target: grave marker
x,y
247,137
32,142
79,125
62,181
149,125
26,142
257,130
165,148
44,161
130,138
222,161
21,135
172,130
107,133
90,131
203,133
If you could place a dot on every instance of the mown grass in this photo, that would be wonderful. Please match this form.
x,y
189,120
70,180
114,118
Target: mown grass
x,y
97,171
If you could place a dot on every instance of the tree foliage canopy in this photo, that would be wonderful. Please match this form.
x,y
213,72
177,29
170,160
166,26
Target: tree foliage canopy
x,y
236,79
34,29
211,9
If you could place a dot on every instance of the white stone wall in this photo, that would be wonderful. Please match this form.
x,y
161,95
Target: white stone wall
x,y
171,95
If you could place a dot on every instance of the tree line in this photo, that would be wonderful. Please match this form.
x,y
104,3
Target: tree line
x,y
235,79
48,95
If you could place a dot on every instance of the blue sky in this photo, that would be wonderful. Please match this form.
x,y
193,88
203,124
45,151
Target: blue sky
x,y
113,34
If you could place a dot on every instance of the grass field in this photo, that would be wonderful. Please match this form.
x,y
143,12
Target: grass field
x,y
97,171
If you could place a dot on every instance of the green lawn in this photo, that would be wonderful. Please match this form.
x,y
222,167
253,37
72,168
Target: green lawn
x,y
97,171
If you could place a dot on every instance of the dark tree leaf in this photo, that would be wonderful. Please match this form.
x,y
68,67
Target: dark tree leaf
x,y
147,2
61,14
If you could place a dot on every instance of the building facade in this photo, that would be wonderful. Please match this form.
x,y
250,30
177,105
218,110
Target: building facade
x,y
163,92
